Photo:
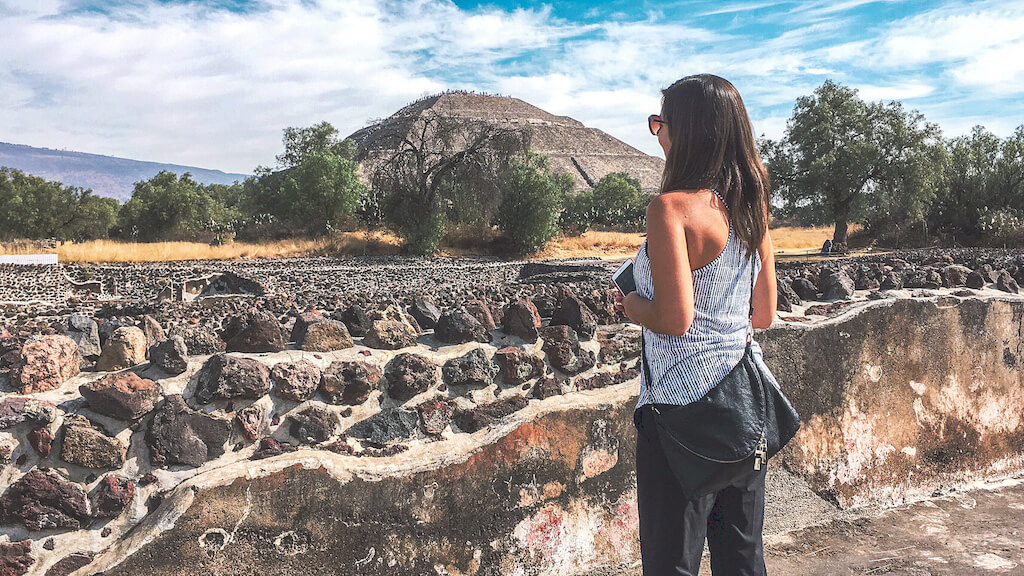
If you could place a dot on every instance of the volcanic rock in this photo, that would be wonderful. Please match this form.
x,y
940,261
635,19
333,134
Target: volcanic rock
x,y
86,444
326,336
546,388
302,323
170,355
224,377
85,332
314,424
1006,283
17,409
16,558
482,312
955,275
521,318
44,363
458,326
349,383
563,349
181,435
295,380
269,447
435,415
40,500
805,289
975,280
787,297
125,348
389,334
111,496
425,312
483,416
122,395
472,369
251,420
837,286
68,564
516,365
388,425
255,331
41,440
153,331
618,345
199,340
409,374
574,313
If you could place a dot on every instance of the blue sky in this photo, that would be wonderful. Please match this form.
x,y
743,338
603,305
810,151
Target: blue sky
x,y
213,82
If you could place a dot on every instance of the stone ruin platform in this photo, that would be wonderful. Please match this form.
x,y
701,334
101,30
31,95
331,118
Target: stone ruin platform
x,y
903,399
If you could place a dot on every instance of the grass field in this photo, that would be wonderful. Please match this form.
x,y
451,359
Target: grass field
x,y
593,244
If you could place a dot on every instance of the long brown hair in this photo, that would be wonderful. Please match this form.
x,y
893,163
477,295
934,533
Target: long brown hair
x,y
713,147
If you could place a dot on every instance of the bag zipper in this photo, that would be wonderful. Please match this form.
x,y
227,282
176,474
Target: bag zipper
x,y
761,454
757,465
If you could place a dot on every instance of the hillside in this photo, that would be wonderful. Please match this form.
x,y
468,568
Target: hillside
x,y
586,153
105,175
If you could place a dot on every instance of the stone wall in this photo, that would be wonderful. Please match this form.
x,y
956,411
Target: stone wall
x,y
37,283
900,397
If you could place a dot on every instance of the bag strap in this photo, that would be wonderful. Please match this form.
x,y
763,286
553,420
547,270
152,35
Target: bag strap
x,y
750,323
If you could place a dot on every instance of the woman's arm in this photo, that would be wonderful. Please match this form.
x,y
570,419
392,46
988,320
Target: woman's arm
x,y
671,311
766,291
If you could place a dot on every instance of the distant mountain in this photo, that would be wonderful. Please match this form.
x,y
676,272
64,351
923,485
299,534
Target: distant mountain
x,y
106,175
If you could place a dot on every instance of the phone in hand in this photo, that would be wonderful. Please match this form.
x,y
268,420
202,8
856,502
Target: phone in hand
x,y
623,278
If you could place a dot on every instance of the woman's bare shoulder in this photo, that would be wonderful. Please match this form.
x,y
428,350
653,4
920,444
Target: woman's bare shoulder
x,y
675,204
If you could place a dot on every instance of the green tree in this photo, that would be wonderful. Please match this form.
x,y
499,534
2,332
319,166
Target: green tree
x,y
838,149
299,143
169,207
577,213
907,179
618,200
421,166
31,207
983,175
530,203
322,191
317,189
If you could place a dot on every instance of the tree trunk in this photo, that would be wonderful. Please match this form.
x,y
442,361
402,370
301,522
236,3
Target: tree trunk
x,y
840,232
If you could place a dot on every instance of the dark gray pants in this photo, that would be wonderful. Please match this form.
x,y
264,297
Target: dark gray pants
x,y
673,529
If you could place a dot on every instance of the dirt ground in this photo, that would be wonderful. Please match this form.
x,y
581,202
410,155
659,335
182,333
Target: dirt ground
x,y
975,532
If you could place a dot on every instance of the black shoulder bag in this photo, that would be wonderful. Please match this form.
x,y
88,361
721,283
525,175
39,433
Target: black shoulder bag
x,y
733,429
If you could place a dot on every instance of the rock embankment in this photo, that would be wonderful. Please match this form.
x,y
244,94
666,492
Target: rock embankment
x,y
483,431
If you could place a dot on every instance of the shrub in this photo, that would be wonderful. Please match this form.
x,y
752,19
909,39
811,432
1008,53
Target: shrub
x,y
577,213
530,203
617,200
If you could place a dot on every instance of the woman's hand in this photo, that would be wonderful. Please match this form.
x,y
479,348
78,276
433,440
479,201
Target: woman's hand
x,y
626,304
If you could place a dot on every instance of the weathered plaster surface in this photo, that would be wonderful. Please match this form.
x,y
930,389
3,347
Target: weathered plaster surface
x,y
899,397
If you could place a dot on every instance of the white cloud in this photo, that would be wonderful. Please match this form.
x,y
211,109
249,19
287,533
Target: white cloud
x,y
904,91
193,85
979,46
214,88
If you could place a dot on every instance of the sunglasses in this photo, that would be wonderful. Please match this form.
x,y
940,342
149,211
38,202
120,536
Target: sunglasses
x,y
654,123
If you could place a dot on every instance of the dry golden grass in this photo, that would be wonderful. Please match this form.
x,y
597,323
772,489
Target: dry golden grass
x,y
620,245
594,244
787,239
360,243
461,242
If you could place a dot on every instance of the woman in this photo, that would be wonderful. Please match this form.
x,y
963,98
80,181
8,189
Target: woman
x,y
693,296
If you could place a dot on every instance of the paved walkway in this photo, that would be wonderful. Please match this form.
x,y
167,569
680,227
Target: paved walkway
x,y
978,532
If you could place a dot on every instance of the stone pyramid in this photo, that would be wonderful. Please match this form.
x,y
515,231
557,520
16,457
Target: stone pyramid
x,y
586,153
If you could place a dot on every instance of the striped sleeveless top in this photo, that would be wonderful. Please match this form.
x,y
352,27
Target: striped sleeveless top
x,y
684,368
